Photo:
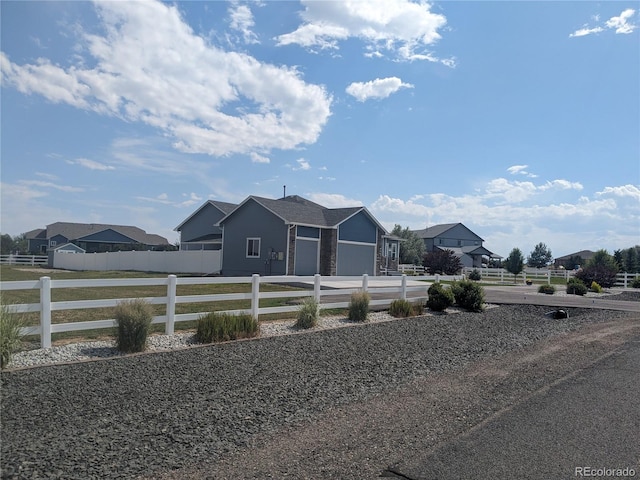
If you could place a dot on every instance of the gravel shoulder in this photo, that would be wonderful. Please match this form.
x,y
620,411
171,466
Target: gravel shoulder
x,y
265,408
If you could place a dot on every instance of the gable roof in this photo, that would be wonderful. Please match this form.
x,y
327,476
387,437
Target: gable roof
x,y
584,254
224,207
297,210
439,230
75,231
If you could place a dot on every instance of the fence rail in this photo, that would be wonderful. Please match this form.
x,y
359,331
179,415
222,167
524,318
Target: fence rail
x,y
23,260
384,296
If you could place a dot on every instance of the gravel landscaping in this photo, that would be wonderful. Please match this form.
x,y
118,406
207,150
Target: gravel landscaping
x,y
134,415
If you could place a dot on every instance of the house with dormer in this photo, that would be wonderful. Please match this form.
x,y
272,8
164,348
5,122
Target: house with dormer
x,y
465,244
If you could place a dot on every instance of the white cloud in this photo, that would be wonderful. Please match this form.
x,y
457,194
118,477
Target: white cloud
x,y
257,158
621,24
333,200
400,27
520,170
202,104
378,88
55,186
631,191
302,164
90,164
241,19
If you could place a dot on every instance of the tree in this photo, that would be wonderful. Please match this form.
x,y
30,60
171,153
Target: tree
x,y
631,262
514,263
540,256
601,268
412,246
6,244
442,261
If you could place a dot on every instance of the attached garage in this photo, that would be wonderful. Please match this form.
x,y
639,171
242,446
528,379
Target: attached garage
x,y
356,259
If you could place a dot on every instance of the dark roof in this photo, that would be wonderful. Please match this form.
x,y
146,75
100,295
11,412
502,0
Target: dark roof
x,y
437,230
225,207
584,254
37,233
76,231
294,209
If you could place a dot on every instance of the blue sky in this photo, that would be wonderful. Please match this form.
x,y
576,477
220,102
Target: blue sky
x,y
519,119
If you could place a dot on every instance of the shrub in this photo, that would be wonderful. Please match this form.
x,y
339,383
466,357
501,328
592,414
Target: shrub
x,y
440,298
359,306
308,313
548,289
417,309
475,275
400,308
635,283
222,327
10,337
576,287
468,295
595,287
133,320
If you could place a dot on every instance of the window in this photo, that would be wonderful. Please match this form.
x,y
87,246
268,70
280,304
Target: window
x,y
53,243
253,248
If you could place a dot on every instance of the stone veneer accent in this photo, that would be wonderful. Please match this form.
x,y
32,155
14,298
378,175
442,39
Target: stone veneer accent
x,y
328,251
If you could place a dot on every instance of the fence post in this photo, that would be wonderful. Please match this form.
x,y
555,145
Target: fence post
x,y
255,295
549,277
404,287
45,312
437,279
169,327
316,287
365,282
501,276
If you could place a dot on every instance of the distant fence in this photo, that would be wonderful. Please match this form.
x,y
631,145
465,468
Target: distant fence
x,y
184,261
45,285
23,260
503,276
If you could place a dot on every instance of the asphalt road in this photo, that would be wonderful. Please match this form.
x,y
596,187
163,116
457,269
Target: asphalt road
x,y
586,425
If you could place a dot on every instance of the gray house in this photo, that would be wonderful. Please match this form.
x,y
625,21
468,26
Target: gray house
x,y
465,244
294,236
200,230
93,237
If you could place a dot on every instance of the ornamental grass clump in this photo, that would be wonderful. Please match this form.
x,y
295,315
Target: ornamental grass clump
x,y
308,313
359,306
635,283
133,322
595,287
222,327
468,295
440,298
10,336
401,308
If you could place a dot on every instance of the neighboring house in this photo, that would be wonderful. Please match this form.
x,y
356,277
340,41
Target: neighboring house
x,y
93,237
294,236
573,260
200,230
465,244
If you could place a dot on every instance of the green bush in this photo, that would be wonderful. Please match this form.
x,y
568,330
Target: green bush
x,y
400,308
475,275
440,298
359,306
576,287
548,289
222,327
595,287
468,295
133,321
10,337
308,313
635,283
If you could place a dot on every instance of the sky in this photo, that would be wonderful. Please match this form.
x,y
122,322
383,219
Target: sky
x,y
520,120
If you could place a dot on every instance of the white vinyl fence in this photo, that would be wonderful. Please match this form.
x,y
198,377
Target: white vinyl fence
x,y
23,260
398,289
183,261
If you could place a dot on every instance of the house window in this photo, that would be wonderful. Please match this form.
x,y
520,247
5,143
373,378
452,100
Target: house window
x,y
253,248
53,243
459,243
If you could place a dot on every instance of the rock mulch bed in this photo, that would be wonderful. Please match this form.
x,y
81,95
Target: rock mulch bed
x,y
140,414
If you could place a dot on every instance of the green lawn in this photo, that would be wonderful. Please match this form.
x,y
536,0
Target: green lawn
x,y
14,273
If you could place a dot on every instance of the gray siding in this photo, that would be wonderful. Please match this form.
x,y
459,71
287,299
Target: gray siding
x,y
253,221
358,228
201,224
458,236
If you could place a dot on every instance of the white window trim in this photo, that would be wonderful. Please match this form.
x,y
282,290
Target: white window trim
x,y
247,247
